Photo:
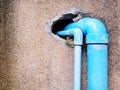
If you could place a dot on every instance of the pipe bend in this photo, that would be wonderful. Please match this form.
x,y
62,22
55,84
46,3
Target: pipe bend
x,y
92,25
78,36
94,30
76,32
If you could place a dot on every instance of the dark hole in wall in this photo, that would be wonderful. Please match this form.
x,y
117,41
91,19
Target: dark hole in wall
x,y
64,20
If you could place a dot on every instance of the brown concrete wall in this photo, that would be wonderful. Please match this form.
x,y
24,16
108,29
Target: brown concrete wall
x,y
31,59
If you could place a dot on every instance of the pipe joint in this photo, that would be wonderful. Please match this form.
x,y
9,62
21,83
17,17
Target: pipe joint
x,y
95,31
75,32
78,37
97,38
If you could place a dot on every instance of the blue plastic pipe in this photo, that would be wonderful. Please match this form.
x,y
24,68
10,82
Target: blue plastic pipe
x,y
77,67
96,40
78,41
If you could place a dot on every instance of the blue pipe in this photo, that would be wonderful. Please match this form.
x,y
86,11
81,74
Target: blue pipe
x,y
97,67
96,40
78,41
77,67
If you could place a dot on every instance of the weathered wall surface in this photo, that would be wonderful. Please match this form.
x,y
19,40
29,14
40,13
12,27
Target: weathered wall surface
x,y
31,59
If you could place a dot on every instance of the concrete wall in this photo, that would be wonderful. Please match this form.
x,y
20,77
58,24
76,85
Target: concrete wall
x,y
31,59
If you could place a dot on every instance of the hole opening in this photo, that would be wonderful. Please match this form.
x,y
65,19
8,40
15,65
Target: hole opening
x,y
60,23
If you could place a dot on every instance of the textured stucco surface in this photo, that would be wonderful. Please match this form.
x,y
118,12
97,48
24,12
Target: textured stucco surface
x,y
31,59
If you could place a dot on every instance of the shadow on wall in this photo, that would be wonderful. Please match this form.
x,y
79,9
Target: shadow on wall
x,y
6,64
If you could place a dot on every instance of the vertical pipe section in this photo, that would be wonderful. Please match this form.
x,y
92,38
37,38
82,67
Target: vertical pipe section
x,y
97,66
78,41
77,67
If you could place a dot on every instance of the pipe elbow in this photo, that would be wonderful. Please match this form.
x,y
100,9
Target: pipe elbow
x,y
75,32
94,30
92,25
78,37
